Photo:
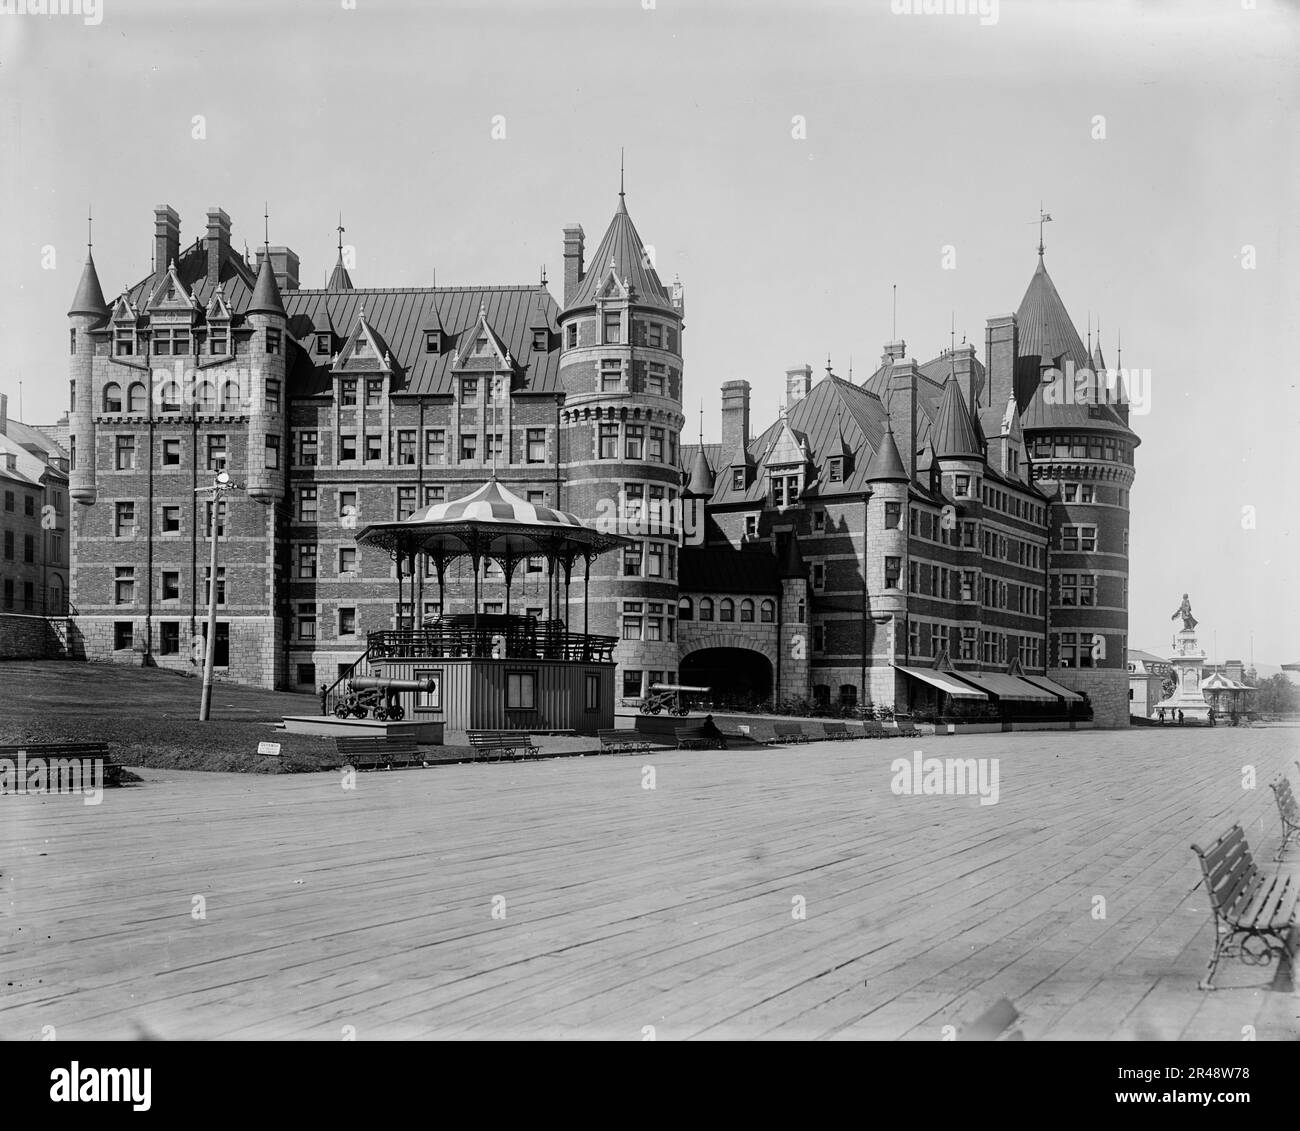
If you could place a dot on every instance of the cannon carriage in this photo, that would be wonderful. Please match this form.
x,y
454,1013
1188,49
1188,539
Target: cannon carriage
x,y
370,694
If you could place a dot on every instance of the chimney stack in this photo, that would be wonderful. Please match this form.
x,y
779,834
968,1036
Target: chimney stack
x,y
903,376
166,237
218,243
1001,348
574,249
284,265
4,414
735,416
798,382
894,351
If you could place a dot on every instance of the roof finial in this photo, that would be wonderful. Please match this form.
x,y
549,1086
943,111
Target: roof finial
x,y
620,170
1090,334
543,282
1043,218
266,229
341,230
90,228
850,369
828,363
701,422
1119,349
893,321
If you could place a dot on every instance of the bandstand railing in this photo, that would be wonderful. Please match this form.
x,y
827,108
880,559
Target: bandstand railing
x,y
495,637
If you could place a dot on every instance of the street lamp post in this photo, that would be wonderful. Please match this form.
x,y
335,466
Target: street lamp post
x,y
221,484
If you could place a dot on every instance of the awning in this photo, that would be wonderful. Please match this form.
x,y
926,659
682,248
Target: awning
x,y
1052,686
943,681
1009,687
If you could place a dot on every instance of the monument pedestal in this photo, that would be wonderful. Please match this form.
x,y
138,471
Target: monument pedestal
x,y
1188,697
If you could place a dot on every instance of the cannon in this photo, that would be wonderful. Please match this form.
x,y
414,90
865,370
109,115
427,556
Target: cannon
x,y
372,693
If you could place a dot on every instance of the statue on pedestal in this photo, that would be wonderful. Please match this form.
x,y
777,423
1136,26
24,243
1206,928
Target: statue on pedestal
x,y
1185,611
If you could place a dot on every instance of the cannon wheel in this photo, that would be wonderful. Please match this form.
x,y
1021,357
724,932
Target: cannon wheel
x,y
359,711
395,712
679,711
341,709
645,706
381,714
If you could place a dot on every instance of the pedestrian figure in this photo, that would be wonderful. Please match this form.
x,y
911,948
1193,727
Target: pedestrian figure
x,y
1180,718
711,731
1161,714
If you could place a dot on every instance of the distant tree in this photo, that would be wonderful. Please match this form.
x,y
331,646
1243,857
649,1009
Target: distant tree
x,y
1276,694
1168,688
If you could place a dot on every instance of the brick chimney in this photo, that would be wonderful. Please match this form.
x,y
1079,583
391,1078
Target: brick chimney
x,y
735,416
903,376
284,264
798,382
963,368
894,351
218,243
166,236
4,414
574,249
1001,347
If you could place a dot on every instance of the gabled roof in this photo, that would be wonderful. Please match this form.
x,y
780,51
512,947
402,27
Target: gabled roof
x,y
266,295
482,328
237,279
89,298
170,293
953,434
400,318
623,248
218,307
787,448
376,358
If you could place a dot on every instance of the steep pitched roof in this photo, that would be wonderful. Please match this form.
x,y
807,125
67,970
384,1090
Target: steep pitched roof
x,y
266,295
700,483
340,280
89,298
622,248
886,463
953,434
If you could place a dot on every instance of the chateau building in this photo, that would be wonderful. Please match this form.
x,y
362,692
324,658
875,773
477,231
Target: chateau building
x,y
943,532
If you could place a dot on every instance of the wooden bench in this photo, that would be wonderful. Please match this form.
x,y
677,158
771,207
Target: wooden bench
x,y
112,768
789,732
694,738
378,753
840,730
504,743
1288,810
1247,905
621,742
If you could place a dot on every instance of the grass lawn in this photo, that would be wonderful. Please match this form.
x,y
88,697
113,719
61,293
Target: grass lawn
x,y
149,717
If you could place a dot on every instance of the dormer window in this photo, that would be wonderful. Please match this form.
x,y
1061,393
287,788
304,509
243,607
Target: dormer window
x,y
738,479
961,488
837,469
480,347
539,340
469,388
323,345
432,341
218,341
124,341
174,342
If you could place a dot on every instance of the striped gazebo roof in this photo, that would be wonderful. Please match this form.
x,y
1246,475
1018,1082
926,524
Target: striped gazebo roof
x,y
493,503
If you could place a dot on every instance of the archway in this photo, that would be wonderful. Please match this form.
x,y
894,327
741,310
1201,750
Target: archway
x,y
739,677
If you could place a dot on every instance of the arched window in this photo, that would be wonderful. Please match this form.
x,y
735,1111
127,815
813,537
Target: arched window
x,y
685,609
767,612
170,397
112,397
135,398
229,396
747,611
706,608
205,395
726,609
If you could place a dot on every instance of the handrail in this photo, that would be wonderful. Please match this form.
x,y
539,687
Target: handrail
x,y
330,695
457,640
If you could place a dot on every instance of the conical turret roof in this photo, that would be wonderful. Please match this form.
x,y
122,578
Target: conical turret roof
x,y
266,295
953,434
340,280
792,563
886,464
622,251
701,481
90,295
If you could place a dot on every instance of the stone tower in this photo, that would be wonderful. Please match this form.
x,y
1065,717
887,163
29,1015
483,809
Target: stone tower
x,y
621,371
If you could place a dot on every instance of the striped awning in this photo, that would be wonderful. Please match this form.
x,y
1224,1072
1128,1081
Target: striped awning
x,y
946,683
1052,686
1009,687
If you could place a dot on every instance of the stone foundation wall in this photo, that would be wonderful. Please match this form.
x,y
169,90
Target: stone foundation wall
x,y
32,638
1107,688
256,653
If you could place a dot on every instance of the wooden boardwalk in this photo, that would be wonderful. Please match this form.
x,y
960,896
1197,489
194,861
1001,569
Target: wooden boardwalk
x,y
620,908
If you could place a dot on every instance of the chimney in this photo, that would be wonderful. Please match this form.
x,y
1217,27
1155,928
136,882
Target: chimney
x,y
963,367
894,351
798,382
4,414
218,243
574,247
166,236
1234,669
735,416
285,265
903,376
1001,349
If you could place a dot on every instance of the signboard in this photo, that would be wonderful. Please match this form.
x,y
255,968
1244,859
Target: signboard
x,y
269,748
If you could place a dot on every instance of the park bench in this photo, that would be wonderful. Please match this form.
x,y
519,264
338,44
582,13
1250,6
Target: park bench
x,y
49,750
377,753
503,743
621,742
840,730
1288,810
1247,905
789,732
692,738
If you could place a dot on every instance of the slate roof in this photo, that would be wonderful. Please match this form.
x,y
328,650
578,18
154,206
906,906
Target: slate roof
x,y
728,571
622,245
266,295
89,298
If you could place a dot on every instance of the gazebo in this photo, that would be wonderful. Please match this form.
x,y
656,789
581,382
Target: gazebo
x,y
549,683
1226,696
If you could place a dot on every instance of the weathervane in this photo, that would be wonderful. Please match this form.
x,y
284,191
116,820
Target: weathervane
x,y
1043,218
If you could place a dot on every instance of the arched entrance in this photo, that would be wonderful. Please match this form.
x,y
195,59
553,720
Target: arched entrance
x,y
739,677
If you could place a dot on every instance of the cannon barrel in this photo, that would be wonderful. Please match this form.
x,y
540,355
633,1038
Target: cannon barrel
x,y
368,682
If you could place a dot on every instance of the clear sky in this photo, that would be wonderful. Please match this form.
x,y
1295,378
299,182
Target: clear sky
x,y
921,132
